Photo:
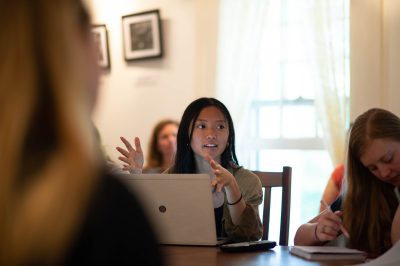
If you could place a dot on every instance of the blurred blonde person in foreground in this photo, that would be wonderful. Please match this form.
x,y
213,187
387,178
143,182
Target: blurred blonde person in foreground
x,y
57,205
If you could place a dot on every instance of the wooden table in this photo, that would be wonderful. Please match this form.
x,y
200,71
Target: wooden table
x,y
210,256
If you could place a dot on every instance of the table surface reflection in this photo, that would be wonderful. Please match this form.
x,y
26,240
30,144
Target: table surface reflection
x,y
201,256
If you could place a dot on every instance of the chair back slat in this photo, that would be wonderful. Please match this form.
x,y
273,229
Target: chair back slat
x,y
266,212
277,179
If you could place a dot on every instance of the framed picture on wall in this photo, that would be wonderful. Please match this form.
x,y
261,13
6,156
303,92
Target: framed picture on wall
x,y
142,37
101,41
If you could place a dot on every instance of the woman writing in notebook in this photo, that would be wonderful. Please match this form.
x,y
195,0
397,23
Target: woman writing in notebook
x,y
368,208
206,144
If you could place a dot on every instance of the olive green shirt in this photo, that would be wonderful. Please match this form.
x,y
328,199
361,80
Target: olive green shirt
x,y
250,227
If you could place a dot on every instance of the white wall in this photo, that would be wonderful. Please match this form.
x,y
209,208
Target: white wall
x,y
391,54
375,55
135,95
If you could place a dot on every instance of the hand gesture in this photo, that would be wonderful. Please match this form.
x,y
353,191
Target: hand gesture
x,y
132,157
222,177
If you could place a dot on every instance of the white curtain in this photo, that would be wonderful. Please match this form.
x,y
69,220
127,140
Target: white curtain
x,y
329,21
241,27
241,31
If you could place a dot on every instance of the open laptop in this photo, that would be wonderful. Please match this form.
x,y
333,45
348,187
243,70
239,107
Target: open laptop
x,y
180,206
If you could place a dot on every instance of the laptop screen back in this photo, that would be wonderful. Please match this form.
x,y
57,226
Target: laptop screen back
x,y
179,206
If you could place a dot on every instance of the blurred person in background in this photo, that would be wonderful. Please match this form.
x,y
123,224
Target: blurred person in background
x,y
162,147
333,187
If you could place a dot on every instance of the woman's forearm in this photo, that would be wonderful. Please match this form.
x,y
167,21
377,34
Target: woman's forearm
x,y
233,195
305,235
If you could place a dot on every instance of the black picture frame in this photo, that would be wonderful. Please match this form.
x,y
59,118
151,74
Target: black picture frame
x,y
100,36
142,35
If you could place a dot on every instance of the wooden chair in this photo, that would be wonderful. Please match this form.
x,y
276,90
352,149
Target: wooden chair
x,y
277,179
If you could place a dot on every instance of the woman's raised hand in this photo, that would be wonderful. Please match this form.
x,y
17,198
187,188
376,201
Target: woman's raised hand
x,y
222,177
132,157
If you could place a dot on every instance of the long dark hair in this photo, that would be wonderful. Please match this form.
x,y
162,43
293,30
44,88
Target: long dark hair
x,y
184,159
369,203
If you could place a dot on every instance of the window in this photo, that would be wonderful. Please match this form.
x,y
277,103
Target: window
x,y
283,121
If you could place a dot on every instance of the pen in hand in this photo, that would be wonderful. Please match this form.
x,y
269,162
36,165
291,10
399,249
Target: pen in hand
x,y
344,230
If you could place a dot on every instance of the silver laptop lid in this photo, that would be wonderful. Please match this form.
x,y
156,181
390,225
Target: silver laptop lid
x,y
179,206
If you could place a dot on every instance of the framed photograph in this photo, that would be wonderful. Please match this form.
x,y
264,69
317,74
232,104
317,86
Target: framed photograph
x,y
142,35
101,40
